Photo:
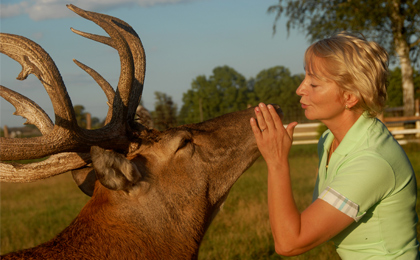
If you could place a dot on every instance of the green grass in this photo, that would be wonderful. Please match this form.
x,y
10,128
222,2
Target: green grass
x,y
33,213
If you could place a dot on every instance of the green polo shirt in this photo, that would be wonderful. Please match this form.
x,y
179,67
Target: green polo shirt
x,y
370,178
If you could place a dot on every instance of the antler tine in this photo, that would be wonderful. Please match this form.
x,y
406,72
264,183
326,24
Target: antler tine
x,y
139,58
37,61
15,172
125,37
106,87
28,109
97,38
104,84
125,83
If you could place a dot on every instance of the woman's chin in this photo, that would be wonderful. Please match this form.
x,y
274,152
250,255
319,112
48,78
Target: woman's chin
x,y
309,116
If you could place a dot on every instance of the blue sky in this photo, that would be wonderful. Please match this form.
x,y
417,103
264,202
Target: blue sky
x,y
182,39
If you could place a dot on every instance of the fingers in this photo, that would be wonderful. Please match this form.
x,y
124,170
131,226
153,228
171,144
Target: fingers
x,y
255,128
278,124
262,124
267,122
267,117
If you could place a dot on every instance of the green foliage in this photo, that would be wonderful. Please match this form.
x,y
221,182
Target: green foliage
x,y
227,91
223,92
164,115
395,94
276,85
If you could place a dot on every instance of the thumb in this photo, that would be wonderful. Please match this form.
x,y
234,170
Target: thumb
x,y
290,129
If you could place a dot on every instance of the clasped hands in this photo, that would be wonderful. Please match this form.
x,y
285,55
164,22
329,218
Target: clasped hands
x,y
273,139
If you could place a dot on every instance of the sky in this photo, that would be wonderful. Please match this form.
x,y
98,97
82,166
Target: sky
x,y
182,39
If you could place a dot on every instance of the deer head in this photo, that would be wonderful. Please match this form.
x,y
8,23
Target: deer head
x,y
154,193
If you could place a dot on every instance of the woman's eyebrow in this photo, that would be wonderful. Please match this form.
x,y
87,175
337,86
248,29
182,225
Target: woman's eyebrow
x,y
308,72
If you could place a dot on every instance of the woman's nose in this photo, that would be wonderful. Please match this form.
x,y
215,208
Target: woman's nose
x,y
301,89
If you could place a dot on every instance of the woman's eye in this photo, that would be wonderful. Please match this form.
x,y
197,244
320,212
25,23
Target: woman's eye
x,y
314,86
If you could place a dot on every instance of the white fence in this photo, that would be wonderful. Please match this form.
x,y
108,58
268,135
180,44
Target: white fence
x,y
306,133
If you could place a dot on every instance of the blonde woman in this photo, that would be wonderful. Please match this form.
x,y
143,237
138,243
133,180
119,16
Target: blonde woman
x,y
365,194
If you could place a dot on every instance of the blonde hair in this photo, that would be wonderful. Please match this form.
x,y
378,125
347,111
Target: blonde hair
x,y
355,65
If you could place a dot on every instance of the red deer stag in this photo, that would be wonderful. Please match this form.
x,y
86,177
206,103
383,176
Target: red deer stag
x,y
154,193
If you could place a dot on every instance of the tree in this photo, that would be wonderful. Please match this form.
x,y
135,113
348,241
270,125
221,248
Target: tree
x,y
81,117
164,115
276,85
223,92
395,24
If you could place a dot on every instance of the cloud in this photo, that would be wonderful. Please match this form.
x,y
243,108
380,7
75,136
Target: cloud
x,y
53,9
10,10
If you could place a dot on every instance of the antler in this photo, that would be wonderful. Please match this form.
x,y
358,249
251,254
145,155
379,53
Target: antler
x,y
66,140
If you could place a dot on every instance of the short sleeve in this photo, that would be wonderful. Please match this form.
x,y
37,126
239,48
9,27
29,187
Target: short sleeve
x,y
363,180
341,203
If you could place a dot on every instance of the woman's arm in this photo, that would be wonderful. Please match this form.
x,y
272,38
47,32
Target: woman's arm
x,y
293,232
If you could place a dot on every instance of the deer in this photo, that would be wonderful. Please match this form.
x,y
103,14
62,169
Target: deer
x,y
153,193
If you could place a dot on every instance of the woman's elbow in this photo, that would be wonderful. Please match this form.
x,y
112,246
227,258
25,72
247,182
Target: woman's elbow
x,y
287,249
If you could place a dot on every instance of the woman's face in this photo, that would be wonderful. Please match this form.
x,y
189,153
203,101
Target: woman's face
x,y
321,99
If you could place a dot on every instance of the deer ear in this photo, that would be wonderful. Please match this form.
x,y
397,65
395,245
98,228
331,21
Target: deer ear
x,y
85,178
113,170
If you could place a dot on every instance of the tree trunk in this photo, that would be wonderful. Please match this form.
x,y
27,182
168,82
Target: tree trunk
x,y
402,49
407,78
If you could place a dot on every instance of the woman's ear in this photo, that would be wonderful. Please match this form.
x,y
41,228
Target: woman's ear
x,y
350,100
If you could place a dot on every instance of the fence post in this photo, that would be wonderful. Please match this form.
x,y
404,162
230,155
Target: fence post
x,y
88,121
417,104
6,131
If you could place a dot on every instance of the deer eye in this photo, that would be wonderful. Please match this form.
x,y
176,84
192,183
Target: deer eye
x,y
184,142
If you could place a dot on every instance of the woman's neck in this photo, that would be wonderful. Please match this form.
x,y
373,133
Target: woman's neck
x,y
340,126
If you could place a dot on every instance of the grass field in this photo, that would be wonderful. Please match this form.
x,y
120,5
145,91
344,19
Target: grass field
x,y
33,213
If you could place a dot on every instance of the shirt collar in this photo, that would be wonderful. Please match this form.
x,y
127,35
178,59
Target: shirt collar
x,y
352,136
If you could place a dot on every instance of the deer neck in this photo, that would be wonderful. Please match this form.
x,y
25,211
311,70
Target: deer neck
x,y
145,230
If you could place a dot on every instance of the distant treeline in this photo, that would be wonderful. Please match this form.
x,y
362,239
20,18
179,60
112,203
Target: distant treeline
x,y
226,90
